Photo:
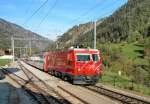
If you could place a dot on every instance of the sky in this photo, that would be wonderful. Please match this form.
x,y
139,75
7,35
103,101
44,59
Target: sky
x,y
51,18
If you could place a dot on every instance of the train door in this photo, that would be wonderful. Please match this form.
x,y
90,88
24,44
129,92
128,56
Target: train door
x,y
70,59
70,62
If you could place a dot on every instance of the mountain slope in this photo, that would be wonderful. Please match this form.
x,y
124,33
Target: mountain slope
x,y
72,36
128,23
7,30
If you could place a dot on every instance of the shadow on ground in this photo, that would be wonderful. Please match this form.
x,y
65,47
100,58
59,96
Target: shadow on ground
x,y
8,92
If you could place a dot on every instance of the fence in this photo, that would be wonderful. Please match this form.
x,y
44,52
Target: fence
x,y
126,83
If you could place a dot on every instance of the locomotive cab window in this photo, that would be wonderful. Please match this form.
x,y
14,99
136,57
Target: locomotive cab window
x,y
95,57
83,57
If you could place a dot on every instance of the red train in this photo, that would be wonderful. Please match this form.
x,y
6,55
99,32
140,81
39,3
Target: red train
x,y
80,66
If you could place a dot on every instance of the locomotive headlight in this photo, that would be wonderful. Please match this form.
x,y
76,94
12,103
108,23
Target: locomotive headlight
x,y
78,69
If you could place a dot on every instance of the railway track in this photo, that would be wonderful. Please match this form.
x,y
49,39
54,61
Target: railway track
x,y
37,94
125,99
45,86
84,101
30,89
55,91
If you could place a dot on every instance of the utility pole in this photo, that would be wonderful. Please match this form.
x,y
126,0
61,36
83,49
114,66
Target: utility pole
x,y
20,52
27,47
95,35
30,50
57,45
12,44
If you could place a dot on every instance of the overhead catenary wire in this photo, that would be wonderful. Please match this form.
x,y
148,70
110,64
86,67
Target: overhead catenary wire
x,y
48,13
27,20
85,13
105,13
90,9
116,1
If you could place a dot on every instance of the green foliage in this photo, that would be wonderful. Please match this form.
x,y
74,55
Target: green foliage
x,y
4,62
139,75
129,23
124,82
134,37
124,39
127,58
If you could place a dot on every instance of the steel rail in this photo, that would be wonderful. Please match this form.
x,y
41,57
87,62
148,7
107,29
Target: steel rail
x,y
113,94
127,99
62,99
40,98
75,96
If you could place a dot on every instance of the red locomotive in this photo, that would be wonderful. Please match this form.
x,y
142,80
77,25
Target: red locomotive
x,y
81,66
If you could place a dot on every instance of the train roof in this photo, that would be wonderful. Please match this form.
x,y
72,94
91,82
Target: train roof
x,y
82,49
74,49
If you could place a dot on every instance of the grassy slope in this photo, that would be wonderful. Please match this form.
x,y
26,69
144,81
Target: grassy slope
x,y
4,62
129,51
132,51
123,82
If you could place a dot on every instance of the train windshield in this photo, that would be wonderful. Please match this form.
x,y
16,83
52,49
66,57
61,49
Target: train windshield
x,y
95,57
83,57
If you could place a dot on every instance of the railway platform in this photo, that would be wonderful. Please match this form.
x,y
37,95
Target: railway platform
x,y
11,93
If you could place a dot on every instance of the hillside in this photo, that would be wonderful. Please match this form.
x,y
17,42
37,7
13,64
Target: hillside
x,y
124,40
8,29
72,35
128,23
